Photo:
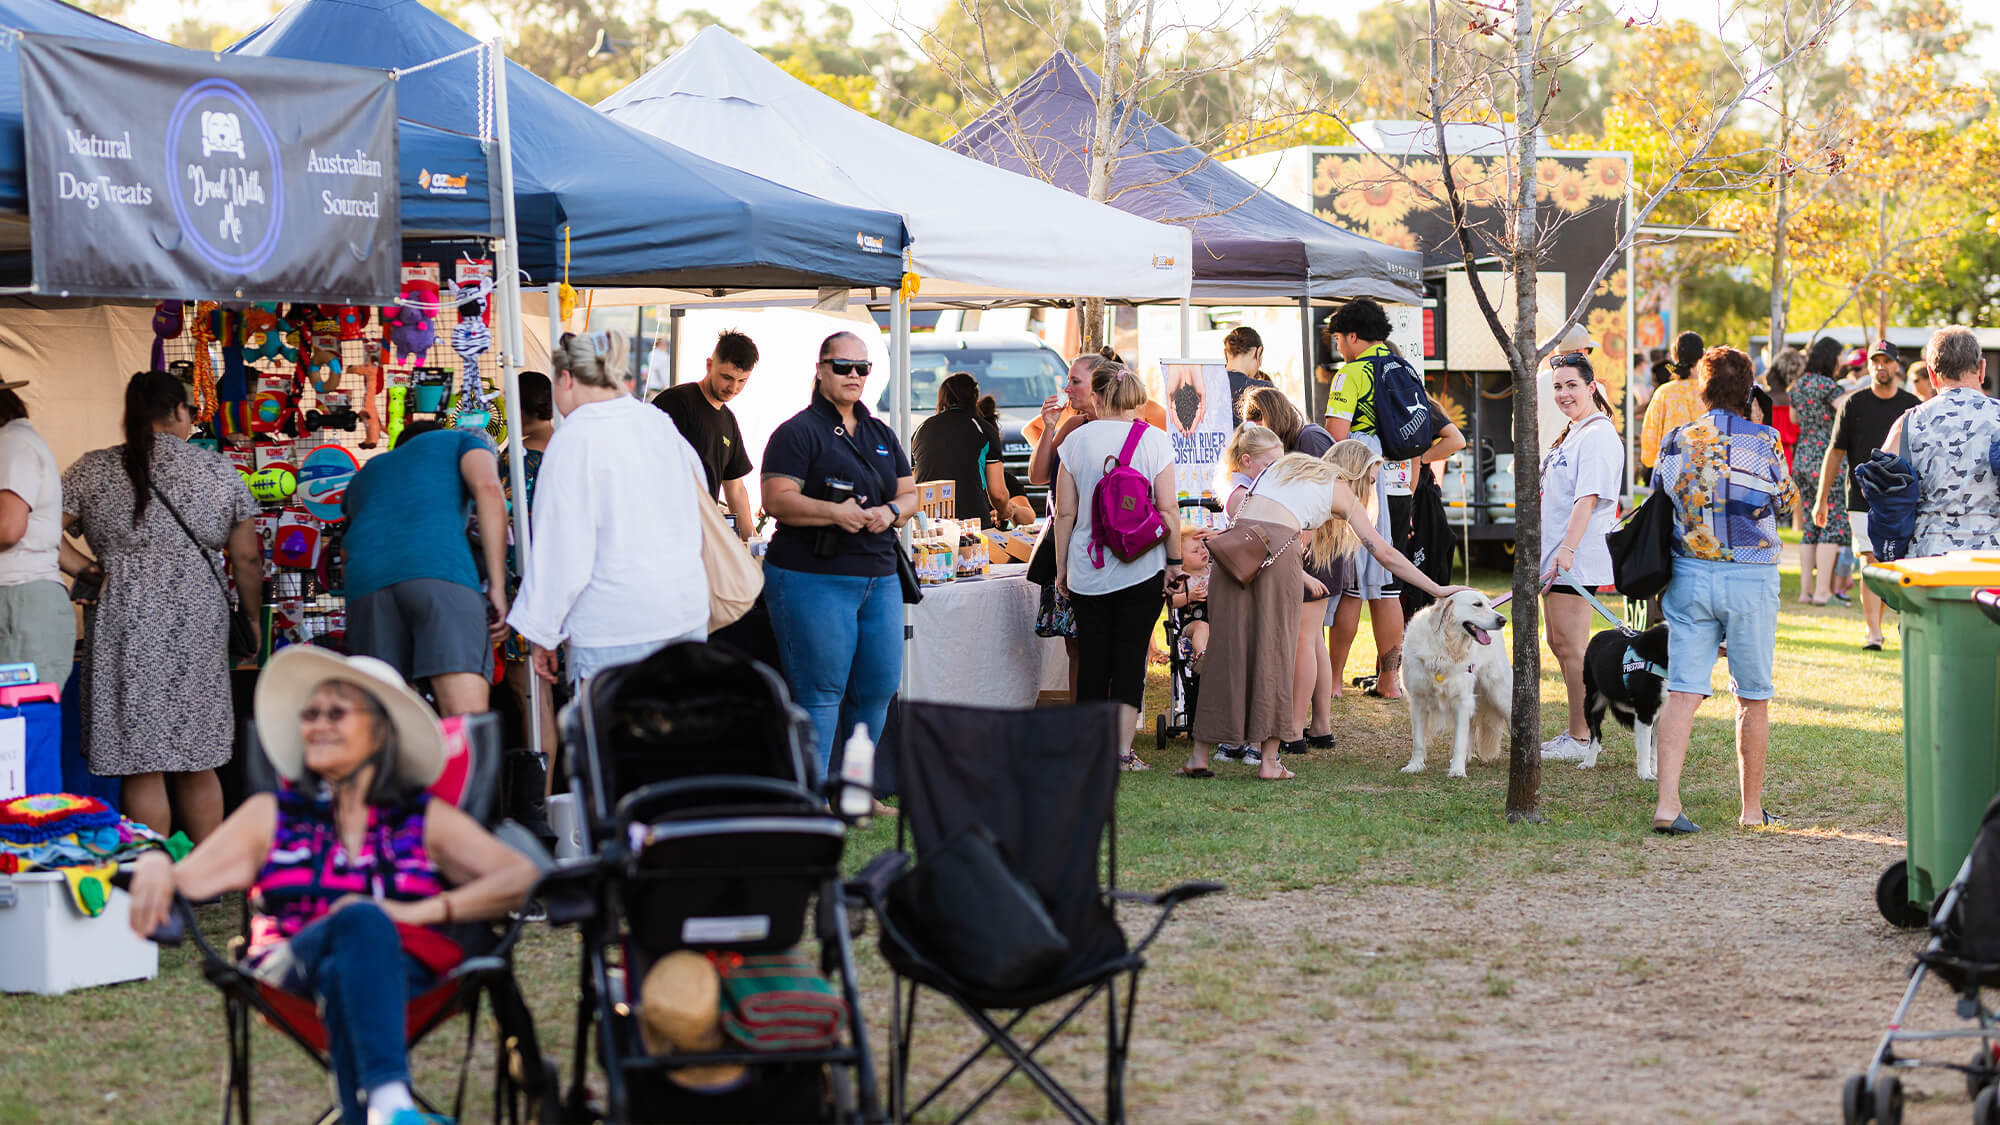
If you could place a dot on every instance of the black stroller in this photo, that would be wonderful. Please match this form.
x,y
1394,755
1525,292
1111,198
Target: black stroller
x,y
709,832
1183,680
1964,953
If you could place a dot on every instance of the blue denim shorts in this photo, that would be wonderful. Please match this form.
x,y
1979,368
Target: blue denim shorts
x,y
1709,602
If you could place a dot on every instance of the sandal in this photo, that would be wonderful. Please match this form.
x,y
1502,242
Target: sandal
x,y
1130,762
1200,772
1283,774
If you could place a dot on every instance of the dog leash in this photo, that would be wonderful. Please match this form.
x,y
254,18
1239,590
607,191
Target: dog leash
x,y
1618,622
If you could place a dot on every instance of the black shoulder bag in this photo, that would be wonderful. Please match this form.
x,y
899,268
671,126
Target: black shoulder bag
x,y
242,636
906,571
1642,548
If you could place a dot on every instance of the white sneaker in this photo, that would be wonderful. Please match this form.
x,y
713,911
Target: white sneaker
x,y
1564,748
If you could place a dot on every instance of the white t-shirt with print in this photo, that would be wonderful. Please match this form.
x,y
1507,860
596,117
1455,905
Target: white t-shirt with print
x,y
1589,462
28,470
1084,454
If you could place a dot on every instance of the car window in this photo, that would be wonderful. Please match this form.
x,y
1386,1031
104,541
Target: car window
x,y
1017,378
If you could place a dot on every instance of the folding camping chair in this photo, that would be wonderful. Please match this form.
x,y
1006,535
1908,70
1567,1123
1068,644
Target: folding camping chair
x,y
524,1081
1045,784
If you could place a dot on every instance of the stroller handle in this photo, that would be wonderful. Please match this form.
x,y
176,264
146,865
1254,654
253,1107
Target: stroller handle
x,y
1208,502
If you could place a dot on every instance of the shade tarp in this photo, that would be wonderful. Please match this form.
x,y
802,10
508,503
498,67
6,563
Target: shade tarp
x,y
975,230
425,213
638,211
1248,243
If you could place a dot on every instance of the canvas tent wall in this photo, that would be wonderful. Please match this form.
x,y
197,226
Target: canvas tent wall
x,y
976,232
637,211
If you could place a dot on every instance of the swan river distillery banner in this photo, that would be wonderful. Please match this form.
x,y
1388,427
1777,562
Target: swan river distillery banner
x,y
165,173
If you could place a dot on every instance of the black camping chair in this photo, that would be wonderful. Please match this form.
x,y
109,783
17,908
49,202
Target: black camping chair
x,y
524,1080
1045,784
707,831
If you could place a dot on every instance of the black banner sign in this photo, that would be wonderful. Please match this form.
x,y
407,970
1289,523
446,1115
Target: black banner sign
x,y
159,172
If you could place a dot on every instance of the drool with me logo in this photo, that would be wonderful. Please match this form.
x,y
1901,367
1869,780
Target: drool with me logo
x,y
225,176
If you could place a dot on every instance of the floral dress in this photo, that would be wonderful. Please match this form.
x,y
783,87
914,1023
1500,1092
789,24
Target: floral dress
x,y
156,659
1814,398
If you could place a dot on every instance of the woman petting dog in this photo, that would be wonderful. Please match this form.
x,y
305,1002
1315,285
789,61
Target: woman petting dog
x,y
1729,485
1581,475
1247,694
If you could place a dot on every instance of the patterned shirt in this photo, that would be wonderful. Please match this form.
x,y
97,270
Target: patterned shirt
x,y
1727,479
1949,441
1673,406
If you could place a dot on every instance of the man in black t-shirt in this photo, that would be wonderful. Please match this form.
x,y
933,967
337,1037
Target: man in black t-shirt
x,y
1858,431
701,410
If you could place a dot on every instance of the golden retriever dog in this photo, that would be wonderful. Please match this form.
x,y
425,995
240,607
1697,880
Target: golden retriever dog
x,y
1457,678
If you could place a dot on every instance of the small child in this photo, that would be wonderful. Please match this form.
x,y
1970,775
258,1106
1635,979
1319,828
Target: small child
x,y
1189,601
1251,449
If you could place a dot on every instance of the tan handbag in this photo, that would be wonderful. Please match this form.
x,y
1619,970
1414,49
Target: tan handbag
x,y
1245,550
734,578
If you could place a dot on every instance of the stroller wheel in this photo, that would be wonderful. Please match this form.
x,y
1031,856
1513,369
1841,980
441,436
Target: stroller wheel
x,y
1160,733
1986,1107
1980,1073
1854,1102
1892,898
1889,1100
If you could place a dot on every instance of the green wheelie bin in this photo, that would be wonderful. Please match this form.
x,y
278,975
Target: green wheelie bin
x,y
1951,717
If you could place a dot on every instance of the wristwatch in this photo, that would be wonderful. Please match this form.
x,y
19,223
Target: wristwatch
x,y
898,512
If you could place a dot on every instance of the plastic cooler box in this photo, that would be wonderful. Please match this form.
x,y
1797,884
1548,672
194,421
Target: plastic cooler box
x,y
39,768
52,947
1951,718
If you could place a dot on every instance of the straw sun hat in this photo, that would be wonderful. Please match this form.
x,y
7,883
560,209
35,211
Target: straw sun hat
x,y
292,676
680,1010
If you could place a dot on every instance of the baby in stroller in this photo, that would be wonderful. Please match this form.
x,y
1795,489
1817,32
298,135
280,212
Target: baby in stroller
x,y
1187,606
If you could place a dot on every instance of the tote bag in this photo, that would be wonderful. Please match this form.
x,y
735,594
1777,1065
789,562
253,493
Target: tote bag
x,y
1642,548
734,578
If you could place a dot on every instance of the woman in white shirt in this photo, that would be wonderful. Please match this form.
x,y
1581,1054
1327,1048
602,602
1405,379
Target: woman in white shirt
x,y
1304,508
1115,602
614,567
1581,474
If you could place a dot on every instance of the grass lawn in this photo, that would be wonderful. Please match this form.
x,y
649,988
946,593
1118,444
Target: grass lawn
x,y
1349,825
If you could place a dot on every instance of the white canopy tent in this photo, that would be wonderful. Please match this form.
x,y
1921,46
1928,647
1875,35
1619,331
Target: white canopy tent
x,y
976,232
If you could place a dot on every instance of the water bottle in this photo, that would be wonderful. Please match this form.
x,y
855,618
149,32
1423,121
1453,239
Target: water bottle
x,y
857,774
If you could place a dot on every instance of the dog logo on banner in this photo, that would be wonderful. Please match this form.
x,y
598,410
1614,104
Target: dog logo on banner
x,y
227,184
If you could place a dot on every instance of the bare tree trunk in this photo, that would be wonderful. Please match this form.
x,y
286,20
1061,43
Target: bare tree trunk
x,y
1778,264
1103,152
1524,761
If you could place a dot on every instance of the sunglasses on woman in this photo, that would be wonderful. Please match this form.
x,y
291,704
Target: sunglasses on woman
x,y
848,366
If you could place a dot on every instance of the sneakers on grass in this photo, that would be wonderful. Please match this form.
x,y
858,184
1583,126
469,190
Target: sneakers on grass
x,y
1227,753
1564,748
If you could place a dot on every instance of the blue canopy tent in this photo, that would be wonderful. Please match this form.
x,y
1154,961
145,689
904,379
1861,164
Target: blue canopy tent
x,y
638,211
1249,245
426,214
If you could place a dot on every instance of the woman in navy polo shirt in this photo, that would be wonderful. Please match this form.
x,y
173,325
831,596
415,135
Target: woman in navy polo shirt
x,y
838,483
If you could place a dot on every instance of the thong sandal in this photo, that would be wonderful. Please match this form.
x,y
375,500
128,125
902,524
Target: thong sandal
x,y
1286,775
1200,772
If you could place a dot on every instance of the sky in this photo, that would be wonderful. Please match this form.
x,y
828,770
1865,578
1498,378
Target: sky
x,y
874,16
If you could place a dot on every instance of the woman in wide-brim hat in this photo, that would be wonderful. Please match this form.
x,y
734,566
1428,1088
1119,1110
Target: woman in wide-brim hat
x,y
354,873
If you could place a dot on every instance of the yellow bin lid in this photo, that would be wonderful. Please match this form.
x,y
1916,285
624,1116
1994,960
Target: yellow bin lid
x,y
1955,568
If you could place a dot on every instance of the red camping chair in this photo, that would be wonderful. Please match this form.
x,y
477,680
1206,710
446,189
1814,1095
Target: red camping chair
x,y
524,1081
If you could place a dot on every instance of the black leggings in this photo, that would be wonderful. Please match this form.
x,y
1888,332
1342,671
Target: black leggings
x,y
1113,633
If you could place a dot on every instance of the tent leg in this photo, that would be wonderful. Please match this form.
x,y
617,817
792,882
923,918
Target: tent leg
x,y
507,268
1306,354
1187,328
674,345
899,375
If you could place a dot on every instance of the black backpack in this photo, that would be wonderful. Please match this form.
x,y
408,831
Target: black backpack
x,y
1432,543
1406,420
1642,548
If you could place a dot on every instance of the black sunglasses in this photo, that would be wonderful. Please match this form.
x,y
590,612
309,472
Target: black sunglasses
x,y
848,366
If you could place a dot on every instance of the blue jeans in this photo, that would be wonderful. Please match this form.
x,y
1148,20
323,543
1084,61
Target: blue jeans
x,y
586,661
357,968
840,639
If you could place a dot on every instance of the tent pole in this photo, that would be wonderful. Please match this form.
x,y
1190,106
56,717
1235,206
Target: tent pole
x,y
1187,328
899,376
507,267
1306,351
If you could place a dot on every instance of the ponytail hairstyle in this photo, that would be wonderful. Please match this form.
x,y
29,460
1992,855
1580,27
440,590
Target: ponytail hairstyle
x,y
989,409
150,397
1250,440
595,359
1688,350
959,391
1116,389
1580,363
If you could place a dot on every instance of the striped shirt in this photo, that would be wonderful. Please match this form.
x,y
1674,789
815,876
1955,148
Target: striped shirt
x,y
1728,482
308,868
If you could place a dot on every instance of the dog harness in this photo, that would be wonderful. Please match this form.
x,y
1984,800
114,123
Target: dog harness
x,y
1634,665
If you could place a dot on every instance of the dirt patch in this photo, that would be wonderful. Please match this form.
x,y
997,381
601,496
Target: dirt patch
x,y
1732,977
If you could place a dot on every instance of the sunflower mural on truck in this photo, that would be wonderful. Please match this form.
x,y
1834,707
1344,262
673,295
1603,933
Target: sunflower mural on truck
x,y
1582,197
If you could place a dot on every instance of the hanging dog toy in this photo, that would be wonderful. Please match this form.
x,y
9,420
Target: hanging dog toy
x,y
565,293
412,320
471,339
205,401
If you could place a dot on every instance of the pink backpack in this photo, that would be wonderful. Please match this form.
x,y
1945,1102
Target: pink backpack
x,y
1122,514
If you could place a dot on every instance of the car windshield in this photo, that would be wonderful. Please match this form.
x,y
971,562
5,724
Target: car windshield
x,y
1017,378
